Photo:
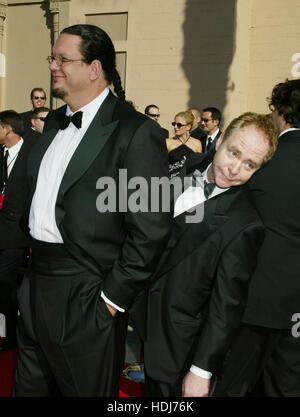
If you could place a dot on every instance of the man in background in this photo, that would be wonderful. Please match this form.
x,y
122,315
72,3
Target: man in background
x,y
38,99
152,111
210,122
14,193
196,131
37,123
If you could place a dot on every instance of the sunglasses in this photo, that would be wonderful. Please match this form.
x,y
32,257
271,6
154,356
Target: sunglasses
x,y
42,118
206,120
41,98
179,125
153,115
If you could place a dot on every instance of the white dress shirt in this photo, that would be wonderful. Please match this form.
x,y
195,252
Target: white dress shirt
x,y
42,221
214,134
191,197
13,152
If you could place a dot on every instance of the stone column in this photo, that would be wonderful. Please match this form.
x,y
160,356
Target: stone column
x,y
54,8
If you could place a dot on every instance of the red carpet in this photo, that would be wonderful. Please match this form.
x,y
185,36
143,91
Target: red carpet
x,y
130,388
7,368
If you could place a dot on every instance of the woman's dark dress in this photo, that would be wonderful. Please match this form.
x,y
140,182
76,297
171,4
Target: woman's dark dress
x,y
177,158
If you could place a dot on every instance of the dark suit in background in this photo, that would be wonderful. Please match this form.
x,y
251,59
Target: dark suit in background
x,y
13,242
31,135
26,116
212,147
199,133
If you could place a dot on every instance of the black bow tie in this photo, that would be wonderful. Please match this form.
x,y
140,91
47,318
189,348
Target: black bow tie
x,y
208,188
64,120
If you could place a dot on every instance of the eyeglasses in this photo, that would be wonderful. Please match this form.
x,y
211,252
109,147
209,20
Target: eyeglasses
x,y
41,98
60,60
206,120
153,115
179,125
41,118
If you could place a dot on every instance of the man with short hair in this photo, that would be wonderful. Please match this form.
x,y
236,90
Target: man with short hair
x,y
196,131
199,290
264,358
152,111
13,196
37,123
38,99
89,261
210,122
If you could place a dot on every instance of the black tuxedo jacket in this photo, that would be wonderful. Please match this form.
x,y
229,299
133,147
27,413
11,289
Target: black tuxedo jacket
x,y
15,202
31,135
26,116
274,294
121,247
199,133
199,292
165,132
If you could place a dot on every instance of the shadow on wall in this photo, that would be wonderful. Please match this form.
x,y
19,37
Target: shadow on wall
x,y
209,33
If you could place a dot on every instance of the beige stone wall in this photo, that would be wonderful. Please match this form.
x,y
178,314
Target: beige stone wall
x,y
27,45
178,52
175,53
275,39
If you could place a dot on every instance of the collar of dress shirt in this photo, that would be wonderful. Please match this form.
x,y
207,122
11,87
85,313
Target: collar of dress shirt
x,y
91,108
214,134
14,150
202,176
287,130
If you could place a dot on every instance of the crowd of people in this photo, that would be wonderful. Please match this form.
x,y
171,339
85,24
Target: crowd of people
x,y
210,285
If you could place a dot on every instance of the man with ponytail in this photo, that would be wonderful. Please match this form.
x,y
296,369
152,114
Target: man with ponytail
x,y
89,263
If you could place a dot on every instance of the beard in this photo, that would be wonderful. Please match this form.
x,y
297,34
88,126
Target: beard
x,y
58,93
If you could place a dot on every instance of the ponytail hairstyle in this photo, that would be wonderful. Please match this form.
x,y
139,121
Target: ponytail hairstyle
x,y
96,44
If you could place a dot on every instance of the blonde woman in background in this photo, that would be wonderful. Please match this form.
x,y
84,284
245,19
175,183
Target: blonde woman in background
x,y
182,144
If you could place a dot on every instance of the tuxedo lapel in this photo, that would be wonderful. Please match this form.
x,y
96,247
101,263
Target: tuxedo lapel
x,y
90,146
186,237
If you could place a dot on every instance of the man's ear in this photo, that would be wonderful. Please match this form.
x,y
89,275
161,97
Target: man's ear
x,y
95,69
219,140
8,129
